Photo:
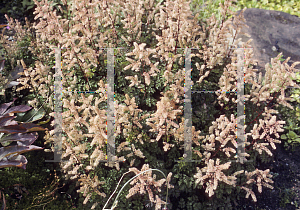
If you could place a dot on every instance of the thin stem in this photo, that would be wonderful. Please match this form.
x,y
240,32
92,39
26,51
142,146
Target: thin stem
x,y
116,200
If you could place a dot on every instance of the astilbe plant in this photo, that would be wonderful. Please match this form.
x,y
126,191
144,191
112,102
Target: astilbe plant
x,y
173,27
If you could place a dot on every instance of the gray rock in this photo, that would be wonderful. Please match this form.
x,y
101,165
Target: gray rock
x,y
272,32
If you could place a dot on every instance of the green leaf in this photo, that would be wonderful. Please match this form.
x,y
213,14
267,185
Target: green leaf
x,y
54,4
30,7
31,116
292,134
297,140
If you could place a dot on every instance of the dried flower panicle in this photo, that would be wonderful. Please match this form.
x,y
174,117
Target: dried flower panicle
x,y
143,182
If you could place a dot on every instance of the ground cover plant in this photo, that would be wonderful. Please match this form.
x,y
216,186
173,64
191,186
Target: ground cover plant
x,y
149,99
207,8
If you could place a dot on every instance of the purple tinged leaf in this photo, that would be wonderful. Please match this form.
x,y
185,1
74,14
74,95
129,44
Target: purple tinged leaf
x,y
4,106
19,161
11,150
13,129
10,155
32,127
16,73
18,109
5,121
23,139
11,84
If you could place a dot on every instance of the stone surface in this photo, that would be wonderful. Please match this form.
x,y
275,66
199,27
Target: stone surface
x,y
272,32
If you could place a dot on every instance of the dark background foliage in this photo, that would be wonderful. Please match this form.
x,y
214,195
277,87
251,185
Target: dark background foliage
x,y
17,9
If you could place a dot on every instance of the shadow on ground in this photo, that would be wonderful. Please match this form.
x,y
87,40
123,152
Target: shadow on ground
x,y
285,195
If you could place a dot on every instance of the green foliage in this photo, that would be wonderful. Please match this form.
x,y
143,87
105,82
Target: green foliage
x,y
286,196
44,189
291,137
207,8
18,9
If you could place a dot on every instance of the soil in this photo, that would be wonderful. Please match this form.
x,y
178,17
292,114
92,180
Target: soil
x,y
285,195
